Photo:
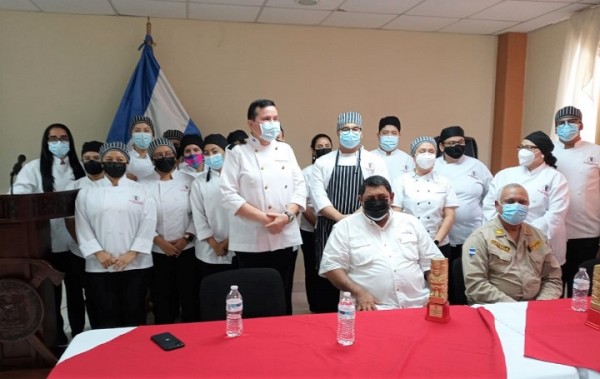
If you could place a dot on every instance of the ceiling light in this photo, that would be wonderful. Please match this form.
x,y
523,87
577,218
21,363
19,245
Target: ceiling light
x,y
307,2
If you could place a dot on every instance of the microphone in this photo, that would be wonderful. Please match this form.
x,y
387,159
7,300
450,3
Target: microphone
x,y
18,166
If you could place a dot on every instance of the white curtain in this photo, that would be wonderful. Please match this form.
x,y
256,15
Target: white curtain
x,y
579,83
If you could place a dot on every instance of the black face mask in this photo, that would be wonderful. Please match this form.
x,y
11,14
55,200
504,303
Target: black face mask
x,y
165,164
93,167
114,169
455,152
376,209
320,152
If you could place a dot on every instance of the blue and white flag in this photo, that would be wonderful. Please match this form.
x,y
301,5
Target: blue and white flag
x,y
150,94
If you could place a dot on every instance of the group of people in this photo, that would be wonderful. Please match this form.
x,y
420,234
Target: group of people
x,y
156,216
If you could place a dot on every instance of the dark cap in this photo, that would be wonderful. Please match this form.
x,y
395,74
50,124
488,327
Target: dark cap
x,y
451,131
191,139
91,146
568,111
236,136
216,139
389,120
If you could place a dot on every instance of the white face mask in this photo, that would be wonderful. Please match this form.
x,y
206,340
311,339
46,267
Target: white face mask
x,y
526,157
425,160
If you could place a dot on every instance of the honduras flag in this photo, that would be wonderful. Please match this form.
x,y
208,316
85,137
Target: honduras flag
x,y
150,94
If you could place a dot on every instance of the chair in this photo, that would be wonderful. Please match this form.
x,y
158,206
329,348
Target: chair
x,y
458,296
470,147
261,289
589,267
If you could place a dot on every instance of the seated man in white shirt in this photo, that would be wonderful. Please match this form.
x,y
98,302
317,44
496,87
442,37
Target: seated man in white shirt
x,y
381,256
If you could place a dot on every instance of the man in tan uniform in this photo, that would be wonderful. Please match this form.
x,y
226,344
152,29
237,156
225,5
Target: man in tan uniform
x,y
507,259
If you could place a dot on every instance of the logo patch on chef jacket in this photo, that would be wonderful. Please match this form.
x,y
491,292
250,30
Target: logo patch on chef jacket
x,y
473,175
590,160
500,246
534,245
472,251
185,188
137,200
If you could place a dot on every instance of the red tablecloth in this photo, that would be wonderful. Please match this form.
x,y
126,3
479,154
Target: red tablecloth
x,y
398,343
556,333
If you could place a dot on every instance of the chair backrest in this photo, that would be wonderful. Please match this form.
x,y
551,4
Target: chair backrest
x,y
589,267
261,289
458,283
470,147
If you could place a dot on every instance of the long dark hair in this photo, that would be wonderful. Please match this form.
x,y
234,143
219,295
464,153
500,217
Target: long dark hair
x,y
46,159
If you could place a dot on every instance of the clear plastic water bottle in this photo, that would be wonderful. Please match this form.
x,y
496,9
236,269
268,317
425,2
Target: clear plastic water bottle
x,y
346,314
234,307
581,286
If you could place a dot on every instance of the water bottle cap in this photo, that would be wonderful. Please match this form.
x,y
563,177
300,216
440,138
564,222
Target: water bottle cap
x,y
234,287
346,294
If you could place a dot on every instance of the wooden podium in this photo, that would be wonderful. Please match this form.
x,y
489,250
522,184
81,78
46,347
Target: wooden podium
x,y
27,310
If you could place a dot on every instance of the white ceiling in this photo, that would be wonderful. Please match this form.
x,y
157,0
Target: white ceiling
x,y
448,16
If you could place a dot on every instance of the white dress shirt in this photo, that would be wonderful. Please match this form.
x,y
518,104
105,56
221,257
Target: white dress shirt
x,y
581,167
211,217
267,178
29,180
548,201
116,219
425,197
370,165
397,163
470,179
138,166
388,262
173,207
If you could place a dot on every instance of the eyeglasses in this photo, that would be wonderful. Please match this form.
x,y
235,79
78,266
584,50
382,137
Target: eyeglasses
x,y
527,147
454,143
57,139
355,129
161,156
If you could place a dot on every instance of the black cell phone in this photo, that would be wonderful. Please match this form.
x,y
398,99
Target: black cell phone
x,y
167,341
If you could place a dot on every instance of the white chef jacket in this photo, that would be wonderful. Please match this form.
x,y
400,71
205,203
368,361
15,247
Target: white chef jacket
x,y
189,170
397,163
173,207
370,165
548,201
470,179
304,224
581,167
116,219
211,217
425,197
138,166
29,180
268,178
79,184
388,262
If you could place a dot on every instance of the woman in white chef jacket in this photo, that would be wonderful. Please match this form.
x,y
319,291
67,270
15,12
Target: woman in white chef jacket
x,y
210,216
174,281
142,132
115,227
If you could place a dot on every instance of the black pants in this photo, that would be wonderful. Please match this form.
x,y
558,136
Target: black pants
x,y
207,269
455,253
282,260
61,262
175,287
311,273
76,298
119,297
578,251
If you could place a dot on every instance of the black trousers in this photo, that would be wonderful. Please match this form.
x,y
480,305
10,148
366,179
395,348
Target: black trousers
x,y
61,262
119,297
282,260
207,269
76,298
175,285
578,251
311,273
454,254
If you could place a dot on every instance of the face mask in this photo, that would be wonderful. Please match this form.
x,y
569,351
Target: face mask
x,y
455,152
514,213
215,162
194,160
320,152
526,157
114,169
269,130
165,164
375,209
141,140
93,167
567,132
388,143
349,139
59,149
425,160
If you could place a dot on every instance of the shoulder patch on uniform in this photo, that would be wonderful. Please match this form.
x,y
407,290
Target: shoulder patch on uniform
x,y
472,251
499,232
500,246
534,245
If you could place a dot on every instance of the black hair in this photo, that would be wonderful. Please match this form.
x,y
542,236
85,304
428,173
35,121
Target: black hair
x,y
375,181
46,159
260,103
313,142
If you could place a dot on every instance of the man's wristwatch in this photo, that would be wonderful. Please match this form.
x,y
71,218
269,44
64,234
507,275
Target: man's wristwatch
x,y
189,237
437,243
290,216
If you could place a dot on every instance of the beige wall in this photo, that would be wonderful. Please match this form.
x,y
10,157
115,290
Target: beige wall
x,y
74,69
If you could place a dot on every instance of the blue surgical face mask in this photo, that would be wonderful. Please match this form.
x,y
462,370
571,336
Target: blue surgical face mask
x,y
59,149
388,143
350,139
141,140
567,132
215,162
514,213
269,130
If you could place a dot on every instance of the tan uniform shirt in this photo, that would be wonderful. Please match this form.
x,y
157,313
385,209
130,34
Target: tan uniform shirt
x,y
498,269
